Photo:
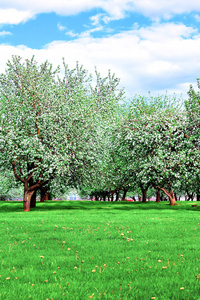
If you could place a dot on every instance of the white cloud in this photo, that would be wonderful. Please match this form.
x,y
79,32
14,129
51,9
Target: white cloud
x,y
115,9
169,31
71,33
88,32
156,58
84,34
60,27
157,9
96,19
13,16
3,33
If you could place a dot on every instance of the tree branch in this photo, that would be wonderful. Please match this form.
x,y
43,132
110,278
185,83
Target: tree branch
x,y
15,172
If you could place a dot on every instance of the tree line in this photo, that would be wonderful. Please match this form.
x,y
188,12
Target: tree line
x,y
63,128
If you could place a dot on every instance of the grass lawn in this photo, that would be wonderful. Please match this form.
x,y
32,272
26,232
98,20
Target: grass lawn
x,y
100,250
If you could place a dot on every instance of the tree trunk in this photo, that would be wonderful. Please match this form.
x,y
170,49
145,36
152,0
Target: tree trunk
x,y
172,198
190,196
27,199
175,196
29,187
158,196
33,200
170,195
30,183
117,196
44,196
144,195
124,194
108,196
112,195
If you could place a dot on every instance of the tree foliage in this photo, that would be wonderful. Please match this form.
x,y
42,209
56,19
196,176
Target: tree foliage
x,y
74,131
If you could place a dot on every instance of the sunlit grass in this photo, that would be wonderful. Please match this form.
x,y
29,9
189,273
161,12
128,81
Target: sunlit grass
x,y
91,250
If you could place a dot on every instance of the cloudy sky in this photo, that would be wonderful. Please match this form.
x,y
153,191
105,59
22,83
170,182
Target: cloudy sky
x,y
151,45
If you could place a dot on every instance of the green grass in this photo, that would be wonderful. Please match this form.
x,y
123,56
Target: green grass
x,y
96,250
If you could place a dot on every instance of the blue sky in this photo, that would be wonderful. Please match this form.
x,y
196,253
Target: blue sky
x,y
150,45
47,27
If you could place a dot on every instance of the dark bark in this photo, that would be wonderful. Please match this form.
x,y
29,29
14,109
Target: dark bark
x,y
144,189
44,193
124,194
144,195
158,196
33,200
96,197
31,183
104,196
108,196
30,187
175,196
117,196
190,196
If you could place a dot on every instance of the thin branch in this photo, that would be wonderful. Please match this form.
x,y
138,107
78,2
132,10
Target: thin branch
x,y
37,125
15,172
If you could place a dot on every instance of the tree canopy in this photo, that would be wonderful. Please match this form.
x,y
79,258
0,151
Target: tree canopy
x,y
67,129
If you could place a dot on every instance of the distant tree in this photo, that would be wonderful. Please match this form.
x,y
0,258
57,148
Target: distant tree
x,y
192,133
97,176
154,135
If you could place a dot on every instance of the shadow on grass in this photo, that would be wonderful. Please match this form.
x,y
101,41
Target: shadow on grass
x,y
15,206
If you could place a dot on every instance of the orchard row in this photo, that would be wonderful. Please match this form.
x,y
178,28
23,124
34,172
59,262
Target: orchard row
x,y
62,129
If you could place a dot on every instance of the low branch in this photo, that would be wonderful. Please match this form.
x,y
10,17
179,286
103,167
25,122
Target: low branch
x,y
164,190
35,186
15,172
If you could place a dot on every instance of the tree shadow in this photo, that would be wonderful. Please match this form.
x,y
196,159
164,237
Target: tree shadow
x,y
16,206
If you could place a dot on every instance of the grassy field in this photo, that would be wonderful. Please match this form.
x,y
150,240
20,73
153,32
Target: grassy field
x,y
97,250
